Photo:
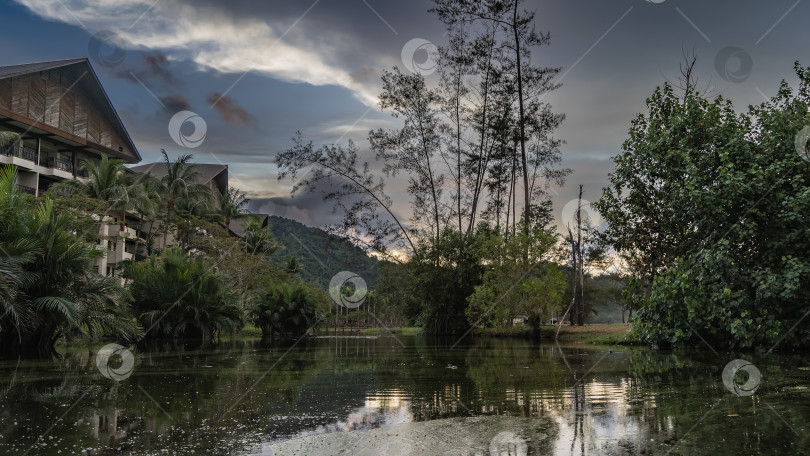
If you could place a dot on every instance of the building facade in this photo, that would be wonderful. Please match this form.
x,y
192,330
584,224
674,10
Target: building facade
x,y
63,117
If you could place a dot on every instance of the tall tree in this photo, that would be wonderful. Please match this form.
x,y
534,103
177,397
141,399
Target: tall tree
x,y
416,146
517,36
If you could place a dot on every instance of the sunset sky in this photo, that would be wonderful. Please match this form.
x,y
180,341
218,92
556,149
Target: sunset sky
x,y
277,67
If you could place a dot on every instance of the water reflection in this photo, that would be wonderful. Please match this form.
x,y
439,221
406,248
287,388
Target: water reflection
x,y
243,398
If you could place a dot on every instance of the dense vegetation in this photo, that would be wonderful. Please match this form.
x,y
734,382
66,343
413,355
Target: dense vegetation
x,y
200,288
710,210
178,296
707,220
48,284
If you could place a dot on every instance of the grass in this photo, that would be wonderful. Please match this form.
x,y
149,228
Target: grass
x,y
600,334
404,331
605,334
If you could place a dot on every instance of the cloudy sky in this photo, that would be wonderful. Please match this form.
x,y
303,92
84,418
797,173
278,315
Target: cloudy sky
x,y
256,72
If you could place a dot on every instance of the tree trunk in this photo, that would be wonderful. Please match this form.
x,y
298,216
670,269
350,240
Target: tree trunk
x,y
522,124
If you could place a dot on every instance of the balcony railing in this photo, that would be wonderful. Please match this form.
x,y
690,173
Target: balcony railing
x,y
27,189
58,163
23,152
29,153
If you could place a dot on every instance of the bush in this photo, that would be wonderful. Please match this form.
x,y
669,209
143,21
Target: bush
x,y
178,296
283,308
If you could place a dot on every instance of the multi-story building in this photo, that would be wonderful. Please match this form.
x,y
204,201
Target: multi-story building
x,y
63,117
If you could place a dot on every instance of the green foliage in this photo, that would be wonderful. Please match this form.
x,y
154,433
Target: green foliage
x,y
515,284
257,239
712,207
49,287
284,308
177,295
393,299
443,277
229,205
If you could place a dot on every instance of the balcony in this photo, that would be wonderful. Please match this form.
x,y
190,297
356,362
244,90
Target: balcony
x,y
117,256
26,189
26,153
58,163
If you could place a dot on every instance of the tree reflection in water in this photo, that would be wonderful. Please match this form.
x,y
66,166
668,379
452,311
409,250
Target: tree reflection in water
x,y
240,398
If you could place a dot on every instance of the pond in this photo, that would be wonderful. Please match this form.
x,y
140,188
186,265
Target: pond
x,y
406,395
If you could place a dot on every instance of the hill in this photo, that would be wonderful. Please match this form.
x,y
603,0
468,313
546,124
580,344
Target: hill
x,y
320,254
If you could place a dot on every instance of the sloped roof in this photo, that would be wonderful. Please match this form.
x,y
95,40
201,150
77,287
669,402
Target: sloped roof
x,y
91,85
26,68
207,171
238,226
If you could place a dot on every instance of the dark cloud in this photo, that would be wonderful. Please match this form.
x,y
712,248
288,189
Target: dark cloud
x,y
308,209
175,103
157,65
229,110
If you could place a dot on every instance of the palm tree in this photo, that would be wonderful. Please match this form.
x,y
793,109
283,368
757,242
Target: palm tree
x,y
145,203
284,308
50,286
292,266
107,181
178,296
180,184
8,138
257,239
230,205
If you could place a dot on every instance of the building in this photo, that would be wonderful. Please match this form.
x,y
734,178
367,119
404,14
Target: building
x,y
215,177
63,116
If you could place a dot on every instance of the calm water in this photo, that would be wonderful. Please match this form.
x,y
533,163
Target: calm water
x,y
241,398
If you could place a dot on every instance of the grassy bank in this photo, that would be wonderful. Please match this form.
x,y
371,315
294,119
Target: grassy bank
x,y
601,334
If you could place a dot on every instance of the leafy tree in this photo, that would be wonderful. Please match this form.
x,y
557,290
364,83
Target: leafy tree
x,y
177,295
258,239
49,285
393,299
711,206
443,277
515,286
